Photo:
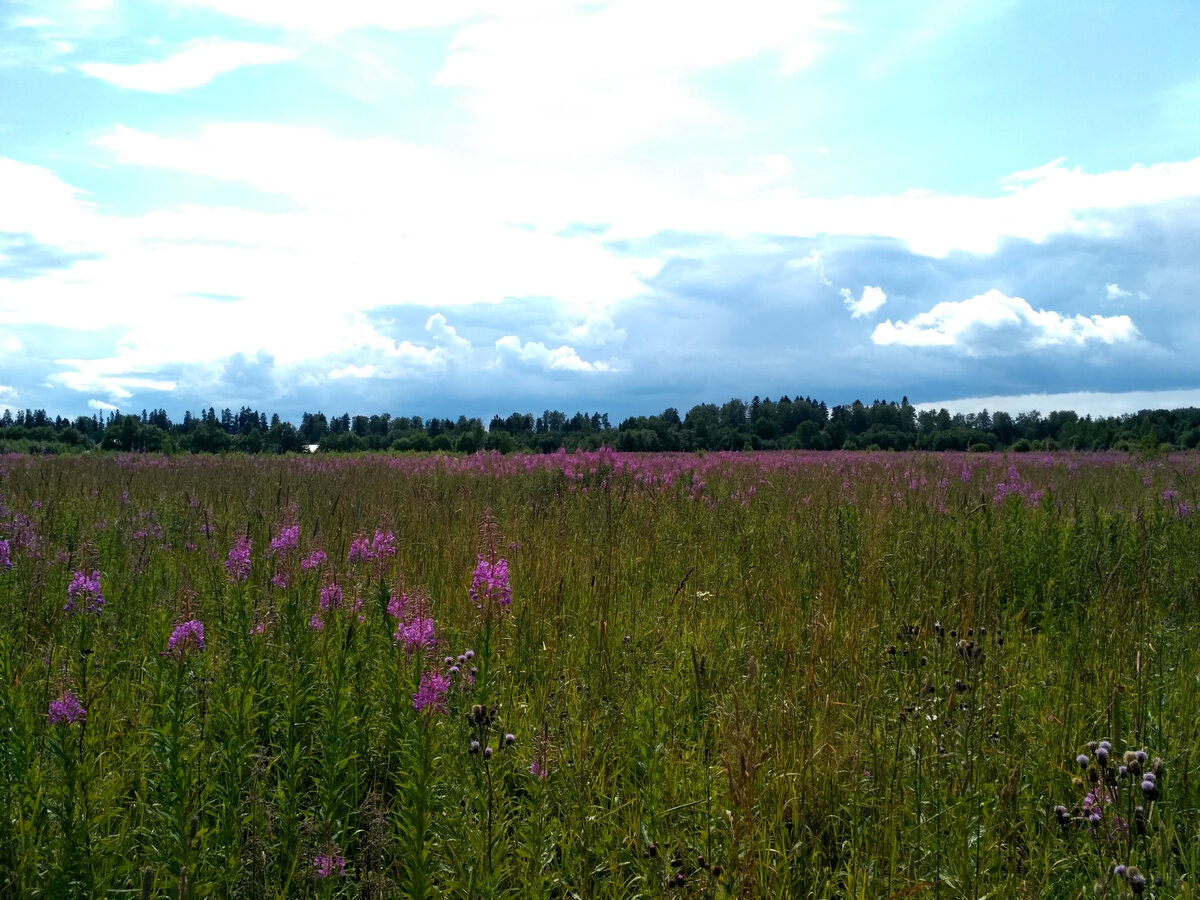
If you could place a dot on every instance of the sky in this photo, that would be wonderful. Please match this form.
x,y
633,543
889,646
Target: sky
x,y
486,206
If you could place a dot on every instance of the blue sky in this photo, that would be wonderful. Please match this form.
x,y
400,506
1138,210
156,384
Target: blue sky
x,y
480,206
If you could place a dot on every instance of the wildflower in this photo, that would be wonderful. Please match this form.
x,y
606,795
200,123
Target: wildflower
x,y
5,555
383,544
85,589
1082,759
431,692
191,631
288,539
315,623
328,865
540,767
397,606
416,635
238,562
360,549
490,583
510,739
314,559
331,596
1137,881
67,710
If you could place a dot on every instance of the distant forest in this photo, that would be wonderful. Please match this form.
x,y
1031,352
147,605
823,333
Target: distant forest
x,y
762,424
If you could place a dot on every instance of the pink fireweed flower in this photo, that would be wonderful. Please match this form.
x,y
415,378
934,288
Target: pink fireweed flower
x,y
314,559
185,633
5,556
288,539
431,692
331,596
315,623
360,549
540,767
490,583
397,606
383,544
329,865
67,710
86,590
238,563
416,635
281,580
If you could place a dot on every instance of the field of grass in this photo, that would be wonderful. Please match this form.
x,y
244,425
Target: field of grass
x,y
600,675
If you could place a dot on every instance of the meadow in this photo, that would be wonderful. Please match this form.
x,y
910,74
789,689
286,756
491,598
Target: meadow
x,y
861,675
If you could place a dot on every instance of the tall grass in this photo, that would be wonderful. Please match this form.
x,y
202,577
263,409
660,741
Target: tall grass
x,y
808,675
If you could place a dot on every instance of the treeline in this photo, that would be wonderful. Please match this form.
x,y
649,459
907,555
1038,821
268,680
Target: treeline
x,y
762,424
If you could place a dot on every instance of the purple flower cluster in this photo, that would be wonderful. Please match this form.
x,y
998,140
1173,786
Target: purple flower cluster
x,y
314,559
5,556
417,635
85,589
431,692
462,666
67,710
185,633
331,596
383,544
489,586
238,563
327,865
397,606
288,539
1107,774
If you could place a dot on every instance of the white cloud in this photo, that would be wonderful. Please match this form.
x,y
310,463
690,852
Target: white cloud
x,y
445,333
101,405
327,19
1115,293
812,261
994,324
760,171
353,371
598,328
563,359
544,80
114,377
871,300
422,191
198,63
